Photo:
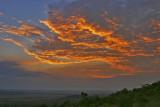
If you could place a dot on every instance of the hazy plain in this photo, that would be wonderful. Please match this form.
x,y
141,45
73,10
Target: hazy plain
x,y
27,98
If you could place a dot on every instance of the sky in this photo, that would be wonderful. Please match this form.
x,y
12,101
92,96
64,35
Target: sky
x,y
79,44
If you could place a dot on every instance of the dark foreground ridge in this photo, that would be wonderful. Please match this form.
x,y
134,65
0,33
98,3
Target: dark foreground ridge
x,y
146,96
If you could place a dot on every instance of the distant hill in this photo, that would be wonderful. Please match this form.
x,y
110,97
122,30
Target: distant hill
x,y
146,96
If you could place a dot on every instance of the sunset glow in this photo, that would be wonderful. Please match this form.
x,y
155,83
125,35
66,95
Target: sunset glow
x,y
87,39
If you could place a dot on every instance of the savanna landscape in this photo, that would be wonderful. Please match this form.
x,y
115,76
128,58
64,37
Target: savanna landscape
x,y
146,96
79,53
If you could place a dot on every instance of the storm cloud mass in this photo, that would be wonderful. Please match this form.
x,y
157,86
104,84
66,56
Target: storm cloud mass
x,y
123,34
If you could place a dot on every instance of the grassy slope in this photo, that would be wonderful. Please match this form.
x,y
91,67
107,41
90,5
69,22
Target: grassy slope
x,y
146,96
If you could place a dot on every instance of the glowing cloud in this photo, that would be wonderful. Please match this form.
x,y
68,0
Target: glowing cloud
x,y
79,32
18,43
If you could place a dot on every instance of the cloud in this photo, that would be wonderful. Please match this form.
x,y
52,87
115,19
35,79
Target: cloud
x,y
1,14
82,31
57,83
93,69
13,69
14,41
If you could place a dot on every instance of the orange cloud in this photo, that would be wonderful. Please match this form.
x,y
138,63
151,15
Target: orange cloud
x,y
102,77
18,43
82,36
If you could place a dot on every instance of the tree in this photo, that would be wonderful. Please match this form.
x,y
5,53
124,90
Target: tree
x,y
84,95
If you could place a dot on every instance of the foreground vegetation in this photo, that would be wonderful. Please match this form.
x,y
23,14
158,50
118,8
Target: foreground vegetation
x,y
146,96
